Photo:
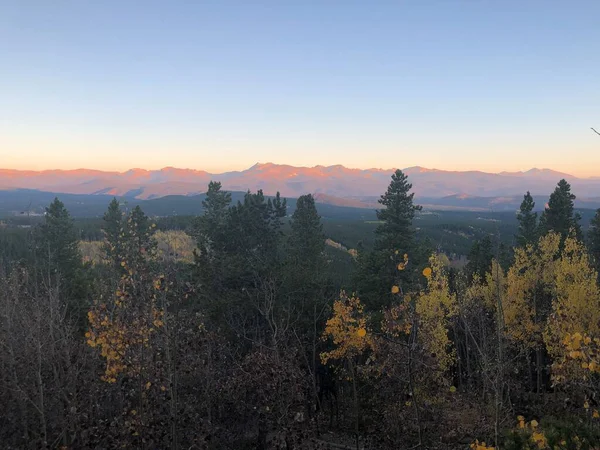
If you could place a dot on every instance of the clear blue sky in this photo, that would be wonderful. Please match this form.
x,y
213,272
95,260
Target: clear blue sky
x,y
490,85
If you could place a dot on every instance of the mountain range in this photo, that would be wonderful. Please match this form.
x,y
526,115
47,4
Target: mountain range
x,y
331,184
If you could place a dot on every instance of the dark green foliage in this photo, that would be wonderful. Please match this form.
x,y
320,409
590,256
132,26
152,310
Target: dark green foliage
x,y
528,227
395,233
307,241
209,231
57,240
480,258
138,239
113,228
57,249
305,259
594,239
559,216
239,260
14,244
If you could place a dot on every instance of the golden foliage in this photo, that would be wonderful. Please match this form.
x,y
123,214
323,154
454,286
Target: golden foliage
x,y
124,327
480,446
397,321
435,308
402,264
347,328
175,245
530,277
576,302
581,349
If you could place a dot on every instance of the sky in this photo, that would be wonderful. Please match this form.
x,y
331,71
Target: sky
x,y
447,84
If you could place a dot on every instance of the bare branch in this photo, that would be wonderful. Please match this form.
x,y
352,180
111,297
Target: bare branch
x,y
595,131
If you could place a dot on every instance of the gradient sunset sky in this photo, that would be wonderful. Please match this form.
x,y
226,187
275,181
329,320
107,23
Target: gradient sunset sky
x,y
470,84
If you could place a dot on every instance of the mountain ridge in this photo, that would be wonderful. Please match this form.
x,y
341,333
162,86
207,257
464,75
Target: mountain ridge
x,y
336,181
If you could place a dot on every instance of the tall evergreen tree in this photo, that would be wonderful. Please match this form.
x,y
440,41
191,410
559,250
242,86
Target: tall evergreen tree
x,y
559,216
594,239
138,240
57,251
113,229
210,233
396,231
480,258
57,240
215,207
306,240
395,235
528,227
305,274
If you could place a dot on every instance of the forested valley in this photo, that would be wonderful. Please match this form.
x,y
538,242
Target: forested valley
x,y
253,327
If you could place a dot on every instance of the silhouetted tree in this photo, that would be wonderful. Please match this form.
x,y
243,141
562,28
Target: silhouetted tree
x,y
559,216
113,229
395,236
528,227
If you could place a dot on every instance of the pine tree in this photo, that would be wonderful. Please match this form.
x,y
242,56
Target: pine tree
x,y
211,235
396,231
215,209
559,216
594,239
480,258
527,222
57,252
277,209
113,228
138,241
305,275
57,241
306,241
395,237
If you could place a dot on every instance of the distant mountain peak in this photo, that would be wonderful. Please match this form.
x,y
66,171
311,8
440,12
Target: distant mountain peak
x,y
419,169
291,181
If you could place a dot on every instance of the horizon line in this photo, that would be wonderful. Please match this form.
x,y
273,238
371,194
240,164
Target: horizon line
x,y
121,172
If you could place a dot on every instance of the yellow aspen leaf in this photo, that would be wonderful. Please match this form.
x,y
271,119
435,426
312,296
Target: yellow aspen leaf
x,y
539,439
361,332
453,389
148,384
395,289
596,414
534,423
427,272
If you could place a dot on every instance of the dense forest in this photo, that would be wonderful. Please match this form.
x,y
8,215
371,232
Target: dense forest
x,y
248,327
